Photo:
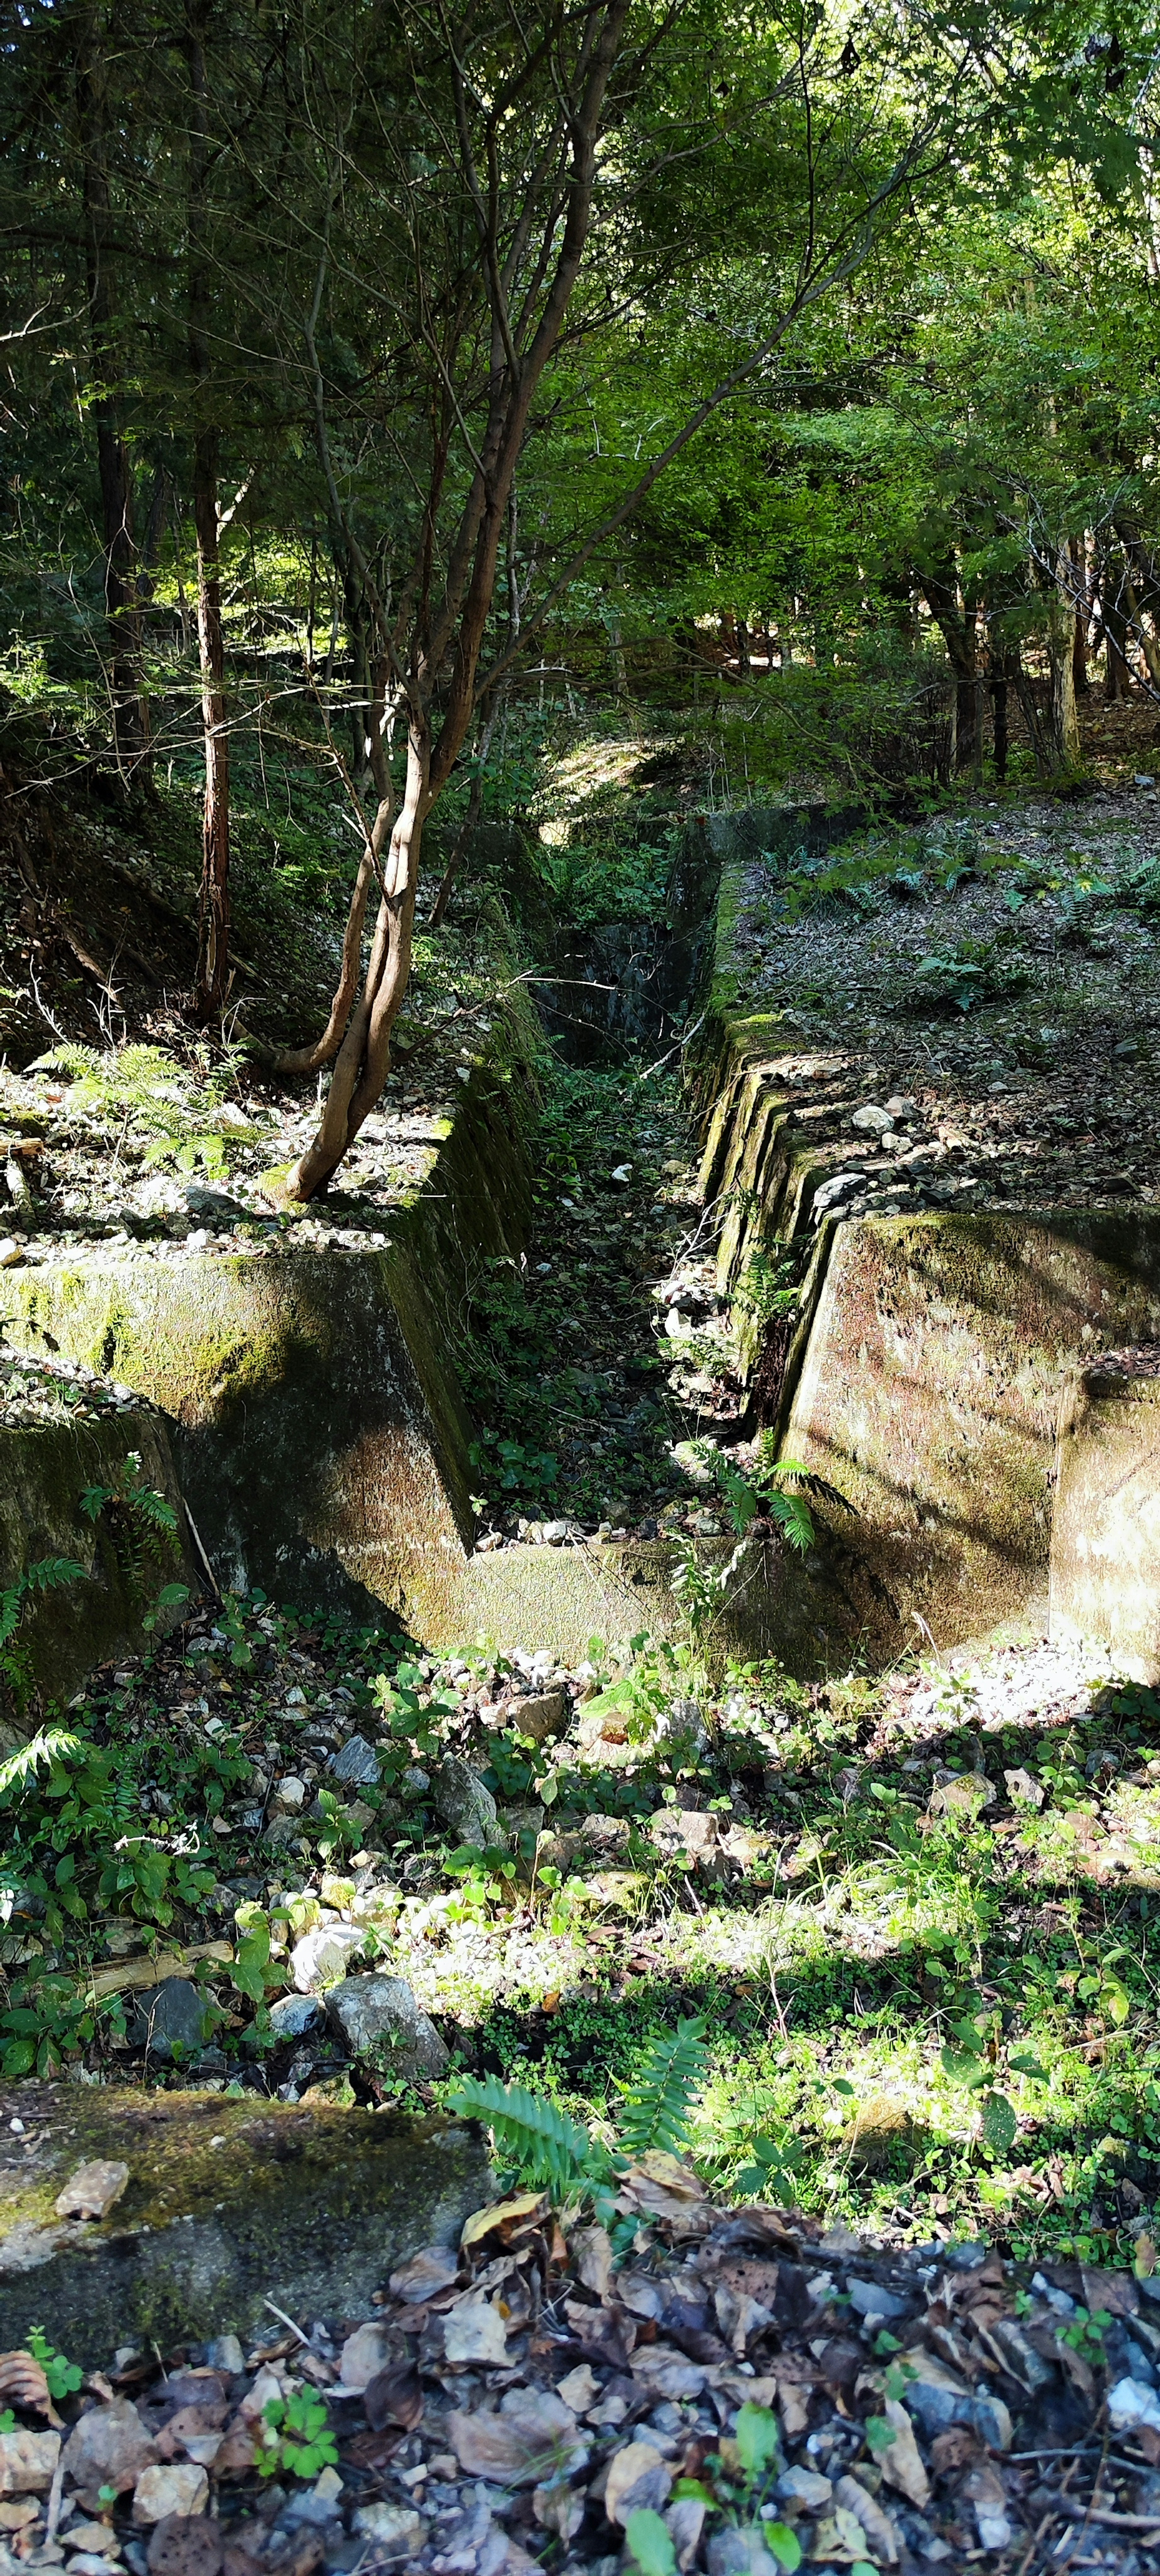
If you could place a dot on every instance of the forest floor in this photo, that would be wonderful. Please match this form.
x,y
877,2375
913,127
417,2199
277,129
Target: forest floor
x,y
996,973
914,1913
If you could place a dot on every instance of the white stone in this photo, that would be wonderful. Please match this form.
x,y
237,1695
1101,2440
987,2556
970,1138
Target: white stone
x,y
321,1958
175,2486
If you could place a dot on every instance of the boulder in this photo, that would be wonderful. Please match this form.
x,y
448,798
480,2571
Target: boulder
x,y
229,2202
464,1806
539,1714
172,2021
379,2019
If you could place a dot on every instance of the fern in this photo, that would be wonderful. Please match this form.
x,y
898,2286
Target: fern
x,y
53,1744
45,1576
657,2103
545,2147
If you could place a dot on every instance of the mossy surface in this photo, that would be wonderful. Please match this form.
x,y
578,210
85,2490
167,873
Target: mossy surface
x,y
44,1470
229,2203
1105,1538
319,1428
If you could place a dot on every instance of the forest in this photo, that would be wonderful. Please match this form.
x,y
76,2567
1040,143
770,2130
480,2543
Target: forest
x,y
579,1287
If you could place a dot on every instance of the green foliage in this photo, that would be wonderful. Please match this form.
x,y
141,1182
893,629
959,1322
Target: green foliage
x,y
64,2377
549,2150
964,977
544,2147
296,2436
143,1094
649,2543
656,2105
49,1574
144,1528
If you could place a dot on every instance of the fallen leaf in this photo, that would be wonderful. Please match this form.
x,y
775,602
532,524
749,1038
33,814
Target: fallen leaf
x,y
591,2249
394,2397
433,2269
504,2218
185,2544
22,2383
558,2508
851,2495
474,2330
531,2439
901,2463
579,2390
953,2450
638,2479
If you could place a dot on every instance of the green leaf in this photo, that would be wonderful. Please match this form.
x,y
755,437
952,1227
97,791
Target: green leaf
x,y
1028,2064
757,2437
782,2544
879,2434
650,2544
999,2123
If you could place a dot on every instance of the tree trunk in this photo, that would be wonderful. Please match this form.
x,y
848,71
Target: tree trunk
x,y
999,715
1061,740
363,1060
129,710
213,921
213,918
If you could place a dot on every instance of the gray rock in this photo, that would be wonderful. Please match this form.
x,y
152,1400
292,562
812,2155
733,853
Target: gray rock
x,y
320,1958
935,2405
871,2300
540,1714
379,2019
171,2020
396,2531
293,2015
806,2487
215,1207
357,1763
834,1192
871,1120
225,2353
740,2553
464,1806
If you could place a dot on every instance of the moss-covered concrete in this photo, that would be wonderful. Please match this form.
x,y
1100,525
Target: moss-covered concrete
x,y
44,1470
1105,1537
319,1429
929,1395
228,2203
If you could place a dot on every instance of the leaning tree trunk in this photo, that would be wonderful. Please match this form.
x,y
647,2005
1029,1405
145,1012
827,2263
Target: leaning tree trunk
x,y
363,1060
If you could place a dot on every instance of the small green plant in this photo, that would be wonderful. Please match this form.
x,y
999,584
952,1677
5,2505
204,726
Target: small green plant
x,y
739,2478
47,1575
64,2377
545,2149
171,1113
143,1524
296,2436
1085,2333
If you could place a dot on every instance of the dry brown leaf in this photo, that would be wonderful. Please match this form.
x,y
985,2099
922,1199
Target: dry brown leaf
x,y
877,2525
505,2218
531,2439
901,2462
22,2383
954,2450
431,2270
592,2258
394,2397
637,2477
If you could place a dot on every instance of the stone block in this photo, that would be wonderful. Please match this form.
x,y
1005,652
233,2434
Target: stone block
x,y
1105,1538
929,1395
230,2202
